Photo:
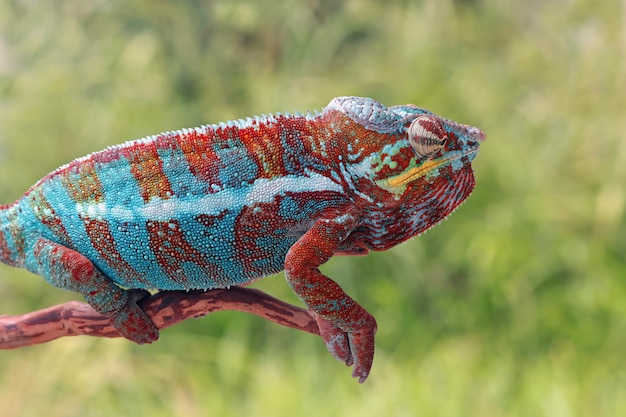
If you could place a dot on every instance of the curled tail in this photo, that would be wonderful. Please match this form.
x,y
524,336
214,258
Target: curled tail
x,y
11,237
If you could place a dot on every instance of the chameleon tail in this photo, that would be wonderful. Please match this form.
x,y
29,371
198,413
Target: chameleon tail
x,y
11,237
70,270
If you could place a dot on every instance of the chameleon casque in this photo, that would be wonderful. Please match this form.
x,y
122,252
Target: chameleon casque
x,y
225,204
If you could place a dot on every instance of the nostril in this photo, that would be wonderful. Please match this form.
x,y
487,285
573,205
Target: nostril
x,y
475,133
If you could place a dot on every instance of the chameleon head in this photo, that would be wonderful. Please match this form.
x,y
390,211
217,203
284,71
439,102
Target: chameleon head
x,y
418,163
429,147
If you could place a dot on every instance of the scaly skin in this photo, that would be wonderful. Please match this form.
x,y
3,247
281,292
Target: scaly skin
x,y
223,205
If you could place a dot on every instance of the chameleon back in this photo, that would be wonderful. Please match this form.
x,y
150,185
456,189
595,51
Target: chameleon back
x,y
209,207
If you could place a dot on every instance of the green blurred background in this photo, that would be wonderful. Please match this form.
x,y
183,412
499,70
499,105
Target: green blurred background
x,y
515,306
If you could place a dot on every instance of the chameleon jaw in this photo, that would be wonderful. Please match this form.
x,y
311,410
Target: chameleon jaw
x,y
398,183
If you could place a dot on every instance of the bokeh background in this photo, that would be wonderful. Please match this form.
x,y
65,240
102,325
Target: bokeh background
x,y
515,306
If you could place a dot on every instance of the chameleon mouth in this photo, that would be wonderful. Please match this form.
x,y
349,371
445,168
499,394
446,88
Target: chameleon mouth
x,y
428,166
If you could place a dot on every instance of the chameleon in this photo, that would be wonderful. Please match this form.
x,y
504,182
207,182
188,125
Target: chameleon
x,y
225,204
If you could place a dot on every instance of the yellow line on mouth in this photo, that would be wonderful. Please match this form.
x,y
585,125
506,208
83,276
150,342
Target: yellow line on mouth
x,y
414,173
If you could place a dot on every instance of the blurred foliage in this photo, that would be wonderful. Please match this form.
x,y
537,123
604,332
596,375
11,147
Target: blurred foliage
x,y
515,306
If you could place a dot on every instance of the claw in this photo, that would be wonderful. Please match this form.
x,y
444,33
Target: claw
x,y
362,347
352,348
336,340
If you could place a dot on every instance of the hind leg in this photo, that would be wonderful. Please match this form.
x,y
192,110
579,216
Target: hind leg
x,y
68,269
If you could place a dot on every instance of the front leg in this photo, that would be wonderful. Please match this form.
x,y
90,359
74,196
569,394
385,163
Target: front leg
x,y
346,327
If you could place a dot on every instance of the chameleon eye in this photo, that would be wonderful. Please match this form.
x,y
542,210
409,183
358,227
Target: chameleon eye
x,y
426,135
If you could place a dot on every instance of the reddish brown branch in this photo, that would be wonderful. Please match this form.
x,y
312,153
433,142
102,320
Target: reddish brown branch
x,y
165,308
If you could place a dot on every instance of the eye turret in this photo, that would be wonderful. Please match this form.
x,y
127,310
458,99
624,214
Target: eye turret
x,y
427,136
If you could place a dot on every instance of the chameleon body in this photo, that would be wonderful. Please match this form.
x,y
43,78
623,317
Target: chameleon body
x,y
225,204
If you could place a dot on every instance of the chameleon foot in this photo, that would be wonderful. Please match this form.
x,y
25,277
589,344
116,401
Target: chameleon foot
x,y
132,322
355,348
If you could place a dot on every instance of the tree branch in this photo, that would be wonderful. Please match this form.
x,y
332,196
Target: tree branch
x,y
165,308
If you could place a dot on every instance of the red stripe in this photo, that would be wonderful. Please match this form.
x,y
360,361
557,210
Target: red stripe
x,y
172,250
81,182
200,154
103,242
147,168
45,214
265,148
